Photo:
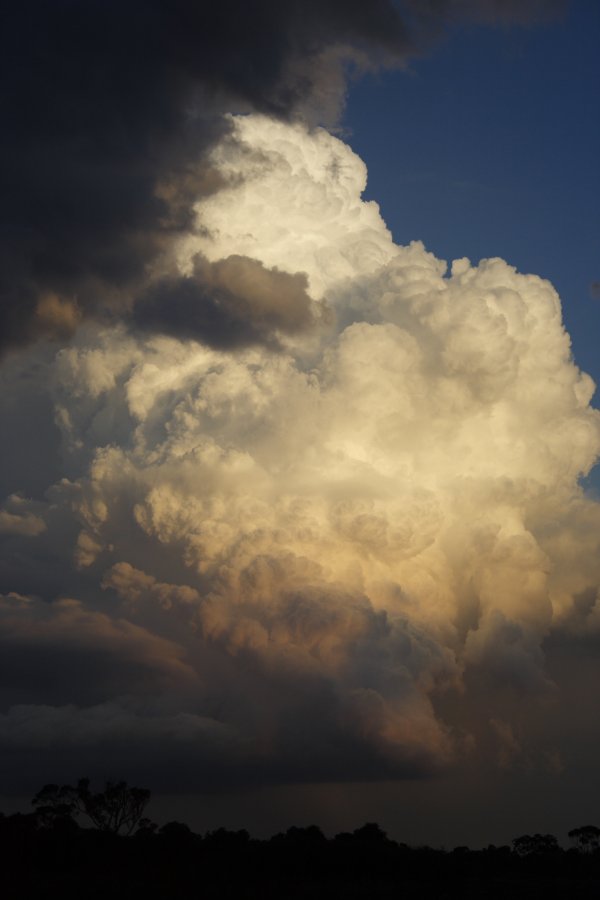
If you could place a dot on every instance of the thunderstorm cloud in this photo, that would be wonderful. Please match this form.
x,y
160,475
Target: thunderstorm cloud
x,y
310,495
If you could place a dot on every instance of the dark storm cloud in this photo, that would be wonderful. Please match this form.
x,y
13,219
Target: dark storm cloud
x,y
43,645
79,688
226,502
181,750
233,302
109,108
107,111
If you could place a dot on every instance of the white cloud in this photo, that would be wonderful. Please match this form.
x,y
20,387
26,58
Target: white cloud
x,y
297,205
361,517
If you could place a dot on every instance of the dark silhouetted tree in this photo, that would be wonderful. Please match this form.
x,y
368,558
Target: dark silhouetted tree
x,y
311,835
370,832
117,809
225,838
535,844
146,828
586,838
55,805
175,831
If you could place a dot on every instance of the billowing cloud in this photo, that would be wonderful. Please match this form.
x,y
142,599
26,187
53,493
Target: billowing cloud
x,y
341,546
109,111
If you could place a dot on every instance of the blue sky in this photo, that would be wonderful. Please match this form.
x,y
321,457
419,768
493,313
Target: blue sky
x,y
490,146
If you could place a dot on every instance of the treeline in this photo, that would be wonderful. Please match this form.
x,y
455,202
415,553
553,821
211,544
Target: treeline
x,y
121,854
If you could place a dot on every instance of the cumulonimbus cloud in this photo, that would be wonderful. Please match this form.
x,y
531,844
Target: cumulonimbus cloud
x,y
309,545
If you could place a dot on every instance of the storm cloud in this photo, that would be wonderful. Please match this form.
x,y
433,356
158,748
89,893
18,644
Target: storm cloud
x,y
109,110
232,302
356,553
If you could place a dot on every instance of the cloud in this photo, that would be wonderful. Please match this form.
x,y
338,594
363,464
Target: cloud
x,y
18,518
310,648
103,167
98,173
311,188
229,303
509,749
44,644
119,734
333,544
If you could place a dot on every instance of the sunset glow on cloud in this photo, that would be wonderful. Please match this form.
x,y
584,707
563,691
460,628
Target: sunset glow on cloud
x,y
292,547
290,507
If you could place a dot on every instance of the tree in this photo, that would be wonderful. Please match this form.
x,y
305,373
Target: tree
x,y
55,805
586,838
370,832
117,809
535,844
176,831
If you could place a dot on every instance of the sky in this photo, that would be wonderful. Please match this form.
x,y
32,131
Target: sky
x,y
297,387
488,146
